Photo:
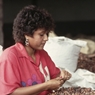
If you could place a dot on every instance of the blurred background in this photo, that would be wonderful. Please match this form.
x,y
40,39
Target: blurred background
x,y
73,18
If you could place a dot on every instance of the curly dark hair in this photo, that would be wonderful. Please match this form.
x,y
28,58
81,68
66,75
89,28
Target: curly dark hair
x,y
28,20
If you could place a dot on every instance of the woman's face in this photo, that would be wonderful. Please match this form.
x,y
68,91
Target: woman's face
x,y
38,40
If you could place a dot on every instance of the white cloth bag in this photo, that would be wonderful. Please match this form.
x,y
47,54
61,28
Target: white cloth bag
x,y
64,51
82,78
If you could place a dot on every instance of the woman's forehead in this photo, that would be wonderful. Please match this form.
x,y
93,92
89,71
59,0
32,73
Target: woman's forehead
x,y
41,30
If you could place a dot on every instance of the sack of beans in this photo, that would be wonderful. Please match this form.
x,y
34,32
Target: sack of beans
x,y
86,61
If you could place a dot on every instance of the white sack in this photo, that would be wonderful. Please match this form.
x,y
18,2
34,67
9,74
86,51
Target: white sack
x,y
82,78
89,48
64,51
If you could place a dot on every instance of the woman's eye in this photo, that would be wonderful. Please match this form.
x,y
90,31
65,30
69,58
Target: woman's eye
x,y
44,34
41,34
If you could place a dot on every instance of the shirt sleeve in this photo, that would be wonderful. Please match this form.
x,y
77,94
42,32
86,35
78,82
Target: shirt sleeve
x,y
9,74
54,71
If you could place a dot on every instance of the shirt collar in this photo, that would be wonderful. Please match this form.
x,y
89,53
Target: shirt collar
x,y
21,50
22,53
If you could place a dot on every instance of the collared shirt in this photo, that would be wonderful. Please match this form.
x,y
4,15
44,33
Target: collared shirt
x,y
17,69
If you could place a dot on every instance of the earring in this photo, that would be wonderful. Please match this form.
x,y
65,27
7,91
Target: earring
x,y
27,42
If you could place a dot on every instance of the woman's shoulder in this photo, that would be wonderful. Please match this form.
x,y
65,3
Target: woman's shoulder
x,y
8,52
9,57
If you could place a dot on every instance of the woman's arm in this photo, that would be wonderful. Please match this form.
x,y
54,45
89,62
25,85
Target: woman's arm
x,y
36,89
30,90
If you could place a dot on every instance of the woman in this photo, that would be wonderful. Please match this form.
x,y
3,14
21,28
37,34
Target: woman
x,y
26,69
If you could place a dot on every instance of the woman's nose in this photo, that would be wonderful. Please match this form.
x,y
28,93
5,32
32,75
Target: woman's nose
x,y
45,37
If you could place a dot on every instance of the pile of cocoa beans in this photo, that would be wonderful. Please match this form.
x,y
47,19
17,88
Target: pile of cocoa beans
x,y
74,91
87,62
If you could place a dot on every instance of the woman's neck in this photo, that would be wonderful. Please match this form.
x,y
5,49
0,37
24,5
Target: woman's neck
x,y
31,52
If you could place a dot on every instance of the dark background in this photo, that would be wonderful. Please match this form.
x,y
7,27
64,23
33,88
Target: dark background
x,y
72,17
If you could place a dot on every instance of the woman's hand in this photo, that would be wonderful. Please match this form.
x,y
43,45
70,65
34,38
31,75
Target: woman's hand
x,y
54,84
65,75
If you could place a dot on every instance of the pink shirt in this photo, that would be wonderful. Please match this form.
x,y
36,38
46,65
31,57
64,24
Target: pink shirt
x,y
17,69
